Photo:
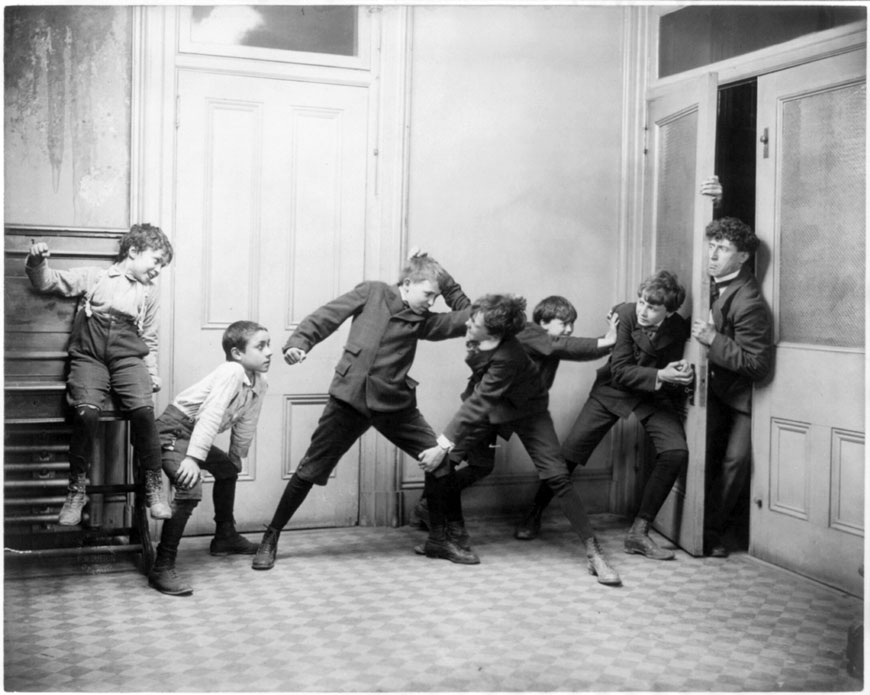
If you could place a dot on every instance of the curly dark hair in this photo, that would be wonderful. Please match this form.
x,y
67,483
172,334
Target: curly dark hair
x,y
663,288
504,315
145,236
736,231
554,307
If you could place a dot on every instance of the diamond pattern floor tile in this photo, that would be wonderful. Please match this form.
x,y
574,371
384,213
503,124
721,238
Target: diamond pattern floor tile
x,y
355,610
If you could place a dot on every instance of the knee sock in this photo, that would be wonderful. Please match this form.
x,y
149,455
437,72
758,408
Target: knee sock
x,y
145,439
224,497
173,530
664,475
86,420
573,509
294,494
471,474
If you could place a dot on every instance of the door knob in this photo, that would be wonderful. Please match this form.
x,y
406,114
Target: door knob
x,y
758,502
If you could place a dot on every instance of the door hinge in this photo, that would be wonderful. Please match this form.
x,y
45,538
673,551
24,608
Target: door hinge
x,y
177,111
765,140
645,140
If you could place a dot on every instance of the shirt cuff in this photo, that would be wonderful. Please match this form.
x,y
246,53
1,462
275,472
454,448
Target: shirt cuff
x,y
445,443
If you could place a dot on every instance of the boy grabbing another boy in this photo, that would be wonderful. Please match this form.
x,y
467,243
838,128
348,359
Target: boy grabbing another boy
x,y
645,375
231,396
547,341
113,347
505,396
371,386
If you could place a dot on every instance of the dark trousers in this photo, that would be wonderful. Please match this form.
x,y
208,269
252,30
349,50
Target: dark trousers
x,y
106,355
538,436
339,427
729,462
662,426
174,429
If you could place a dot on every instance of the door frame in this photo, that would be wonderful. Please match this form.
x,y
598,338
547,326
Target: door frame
x,y
641,36
154,112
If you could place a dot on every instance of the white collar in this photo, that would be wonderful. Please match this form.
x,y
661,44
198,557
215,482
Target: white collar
x,y
727,278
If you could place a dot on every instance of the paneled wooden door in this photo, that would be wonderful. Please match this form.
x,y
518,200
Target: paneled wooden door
x,y
681,130
270,224
808,421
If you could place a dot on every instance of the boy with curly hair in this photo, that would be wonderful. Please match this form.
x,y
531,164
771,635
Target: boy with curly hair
x,y
113,348
738,338
504,396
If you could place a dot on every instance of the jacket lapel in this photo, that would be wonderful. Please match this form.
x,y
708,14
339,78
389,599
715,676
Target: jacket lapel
x,y
726,295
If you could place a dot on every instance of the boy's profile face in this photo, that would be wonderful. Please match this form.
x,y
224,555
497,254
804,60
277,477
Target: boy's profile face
x,y
257,355
420,295
475,329
556,328
723,258
145,265
649,314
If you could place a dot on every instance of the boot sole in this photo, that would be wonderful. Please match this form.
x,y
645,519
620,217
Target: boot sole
x,y
452,558
183,592
638,551
224,553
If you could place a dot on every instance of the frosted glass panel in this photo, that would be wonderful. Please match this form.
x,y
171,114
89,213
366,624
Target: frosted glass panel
x,y
676,174
312,29
821,284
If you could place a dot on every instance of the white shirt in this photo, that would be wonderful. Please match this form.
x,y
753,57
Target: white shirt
x,y
225,398
108,290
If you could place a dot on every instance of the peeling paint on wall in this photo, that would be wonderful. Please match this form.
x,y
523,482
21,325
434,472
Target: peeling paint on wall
x,y
67,115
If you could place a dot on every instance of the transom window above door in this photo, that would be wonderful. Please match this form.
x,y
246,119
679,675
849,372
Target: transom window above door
x,y
321,35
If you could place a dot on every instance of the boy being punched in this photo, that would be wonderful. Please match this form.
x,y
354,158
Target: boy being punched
x,y
113,347
231,396
504,396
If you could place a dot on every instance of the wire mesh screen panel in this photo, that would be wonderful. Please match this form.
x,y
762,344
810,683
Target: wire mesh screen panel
x,y
822,222
677,138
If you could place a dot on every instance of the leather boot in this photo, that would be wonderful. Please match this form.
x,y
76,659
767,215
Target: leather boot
x,y
439,545
638,541
71,512
154,498
228,541
164,578
268,549
598,565
457,533
529,528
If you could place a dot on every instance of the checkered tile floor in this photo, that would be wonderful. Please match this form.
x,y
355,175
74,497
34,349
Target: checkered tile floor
x,y
355,610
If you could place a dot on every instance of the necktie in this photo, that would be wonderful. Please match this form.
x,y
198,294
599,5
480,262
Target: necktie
x,y
716,289
650,332
473,347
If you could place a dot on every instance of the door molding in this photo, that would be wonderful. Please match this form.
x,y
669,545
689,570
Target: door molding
x,y
153,139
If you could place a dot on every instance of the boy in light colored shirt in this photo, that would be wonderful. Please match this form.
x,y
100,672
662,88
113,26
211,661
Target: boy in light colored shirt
x,y
112,348
230,397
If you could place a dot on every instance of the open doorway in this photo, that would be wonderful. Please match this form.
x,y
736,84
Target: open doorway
x,y
736,116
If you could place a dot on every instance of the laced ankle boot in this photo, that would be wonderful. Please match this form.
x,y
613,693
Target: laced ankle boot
x,y
638,541
598,566
154,499
228,541
163,576
267,550
71,512
440,545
